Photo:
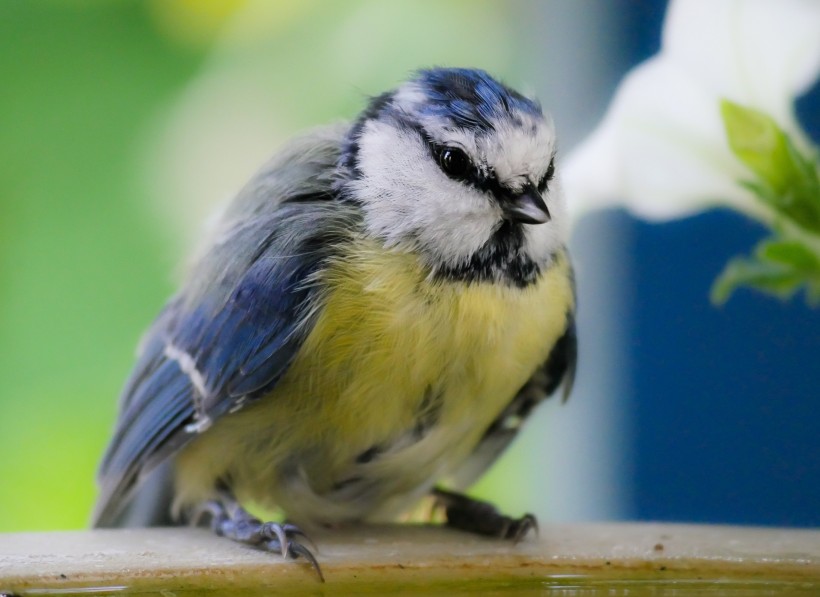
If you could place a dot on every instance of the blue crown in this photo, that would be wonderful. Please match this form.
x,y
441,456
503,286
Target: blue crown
x,y
471,98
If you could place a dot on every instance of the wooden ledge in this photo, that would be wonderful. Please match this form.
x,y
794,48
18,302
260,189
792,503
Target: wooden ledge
x,y
410,558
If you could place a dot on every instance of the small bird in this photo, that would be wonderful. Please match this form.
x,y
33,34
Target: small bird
x,y
371,320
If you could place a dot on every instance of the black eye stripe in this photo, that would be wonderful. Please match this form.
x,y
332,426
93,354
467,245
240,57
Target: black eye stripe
x,y
548,176
475,177
485,182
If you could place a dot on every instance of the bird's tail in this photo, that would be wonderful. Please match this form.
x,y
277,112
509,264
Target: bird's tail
x,y
149,506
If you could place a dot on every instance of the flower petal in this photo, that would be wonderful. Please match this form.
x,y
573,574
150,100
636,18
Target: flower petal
x,y
658,149
756,52
661,148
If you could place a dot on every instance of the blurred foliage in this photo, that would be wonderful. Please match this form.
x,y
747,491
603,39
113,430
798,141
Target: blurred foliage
x,y
196,22
85,254
276,70
82,266
787,183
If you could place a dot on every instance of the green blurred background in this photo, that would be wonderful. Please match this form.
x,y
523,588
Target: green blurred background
x,y
123,124
83,263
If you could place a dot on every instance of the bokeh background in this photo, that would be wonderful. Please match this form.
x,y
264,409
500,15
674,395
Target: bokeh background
x,y
124,124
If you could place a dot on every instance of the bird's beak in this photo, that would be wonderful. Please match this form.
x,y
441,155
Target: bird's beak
x,y
527,207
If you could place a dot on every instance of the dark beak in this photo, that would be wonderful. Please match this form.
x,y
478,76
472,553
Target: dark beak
x,y
528,207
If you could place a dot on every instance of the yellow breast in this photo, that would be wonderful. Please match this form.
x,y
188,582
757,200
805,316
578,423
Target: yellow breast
x,y
391,350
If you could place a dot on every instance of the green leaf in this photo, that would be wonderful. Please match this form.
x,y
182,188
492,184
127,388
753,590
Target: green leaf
x,y
779,266
759,190
759,143
813,293
790,253
787,181
805,189
767,277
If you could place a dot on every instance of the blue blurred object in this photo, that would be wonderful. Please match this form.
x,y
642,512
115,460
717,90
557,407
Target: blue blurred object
x,y
724,411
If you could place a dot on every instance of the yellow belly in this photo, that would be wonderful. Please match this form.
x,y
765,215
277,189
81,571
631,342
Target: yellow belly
x,y
410,368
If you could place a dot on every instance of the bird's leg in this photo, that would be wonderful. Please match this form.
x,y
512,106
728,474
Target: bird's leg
x,y
229,519
467,514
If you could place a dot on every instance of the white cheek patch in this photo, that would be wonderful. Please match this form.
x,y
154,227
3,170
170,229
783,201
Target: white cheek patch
x,y
412,205
409,201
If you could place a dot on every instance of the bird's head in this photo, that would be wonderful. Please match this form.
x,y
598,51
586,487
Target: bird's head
x,y
461,169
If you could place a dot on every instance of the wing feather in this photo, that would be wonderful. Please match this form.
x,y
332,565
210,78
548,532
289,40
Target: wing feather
x,y
230,334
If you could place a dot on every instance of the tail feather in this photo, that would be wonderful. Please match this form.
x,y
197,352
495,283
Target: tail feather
x,y
149,506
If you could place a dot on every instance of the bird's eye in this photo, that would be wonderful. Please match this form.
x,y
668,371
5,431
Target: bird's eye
x,y
542,184
454,162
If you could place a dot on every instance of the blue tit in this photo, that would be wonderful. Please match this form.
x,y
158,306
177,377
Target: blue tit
x,y
375,315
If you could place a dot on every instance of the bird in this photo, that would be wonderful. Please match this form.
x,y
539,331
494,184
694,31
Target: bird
x,y
370,322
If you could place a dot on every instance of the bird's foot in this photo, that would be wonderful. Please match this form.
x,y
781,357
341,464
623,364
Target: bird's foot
x,y
467,514
229,519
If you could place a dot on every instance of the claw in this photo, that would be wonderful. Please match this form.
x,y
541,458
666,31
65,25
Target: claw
x,y
229,519
272,530
483,518
297,549
294,531
520,527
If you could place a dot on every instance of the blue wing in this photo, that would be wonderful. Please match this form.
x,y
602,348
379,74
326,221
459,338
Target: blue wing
x,y
225,346
230,334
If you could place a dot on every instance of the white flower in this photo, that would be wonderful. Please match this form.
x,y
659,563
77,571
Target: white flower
x,y
661,148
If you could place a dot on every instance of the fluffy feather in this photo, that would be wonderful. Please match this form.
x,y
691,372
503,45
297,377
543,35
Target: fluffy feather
x,y
360,324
